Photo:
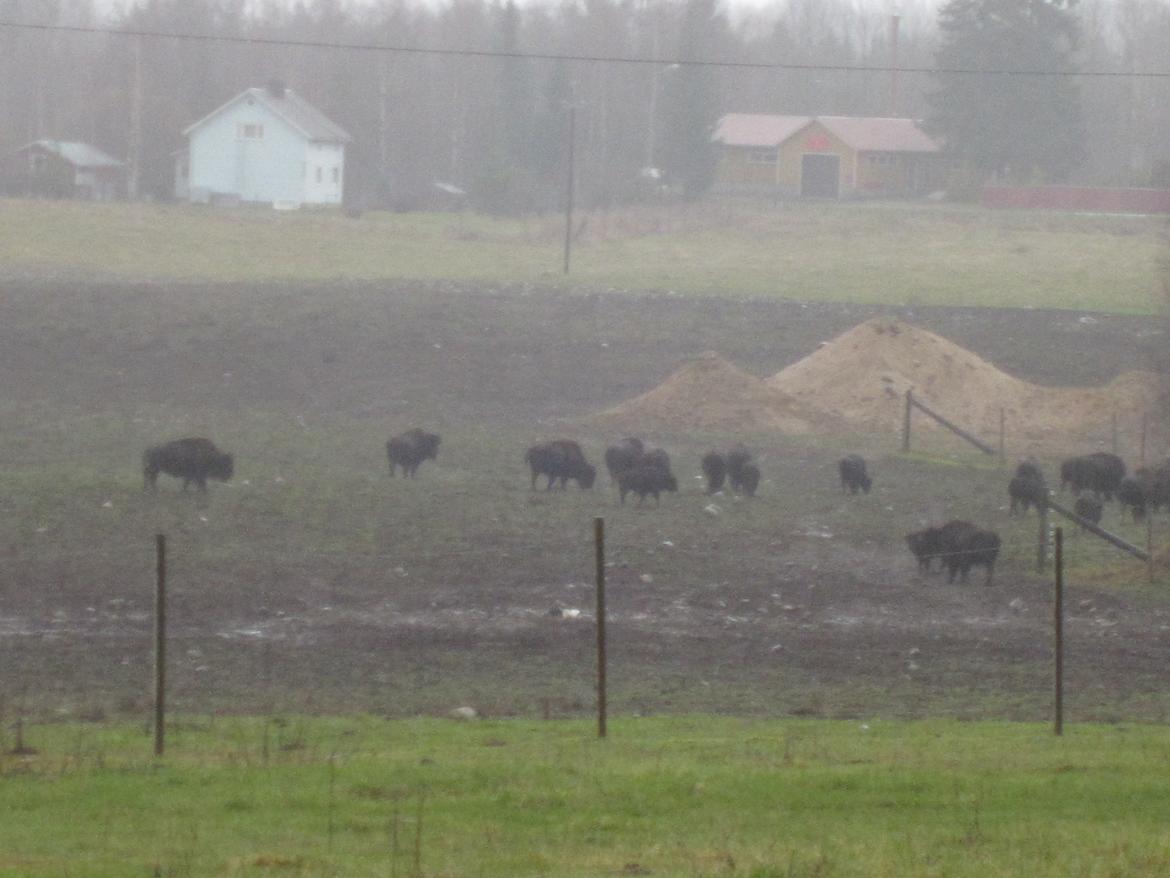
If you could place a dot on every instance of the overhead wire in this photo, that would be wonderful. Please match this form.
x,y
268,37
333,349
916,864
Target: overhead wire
x,y
336,45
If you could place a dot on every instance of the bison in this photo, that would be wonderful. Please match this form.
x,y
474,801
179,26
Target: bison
x,y
715,469
738,459
1027,488
560,460
959,545
749,479
853,474
1100,472
646,479
408,450
623,456
192,460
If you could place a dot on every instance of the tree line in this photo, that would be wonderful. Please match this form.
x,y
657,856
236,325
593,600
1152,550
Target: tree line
x,y
464,106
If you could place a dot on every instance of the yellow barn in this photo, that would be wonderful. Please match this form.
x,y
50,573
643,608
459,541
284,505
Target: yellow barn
x,y
827,156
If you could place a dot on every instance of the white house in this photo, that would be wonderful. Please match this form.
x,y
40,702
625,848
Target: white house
x,y
265,145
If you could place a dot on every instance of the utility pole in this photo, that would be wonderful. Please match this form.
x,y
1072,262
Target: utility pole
x,y
569,192
134,178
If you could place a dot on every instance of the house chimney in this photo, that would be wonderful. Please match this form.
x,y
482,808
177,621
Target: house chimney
x,y
894,96
276,88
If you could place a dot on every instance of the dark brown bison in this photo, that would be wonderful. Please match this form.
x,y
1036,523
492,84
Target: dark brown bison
x,y
192,460
749,479
1099,472
560,460
959,546
739,459
854,477
408,450
1027,488
715,469
623,456
644,479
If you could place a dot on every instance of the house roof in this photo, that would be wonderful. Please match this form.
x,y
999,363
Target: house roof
x,y
862,133
80,155
754,129
293,109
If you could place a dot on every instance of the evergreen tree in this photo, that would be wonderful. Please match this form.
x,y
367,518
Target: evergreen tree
x,y
1019,125
690,105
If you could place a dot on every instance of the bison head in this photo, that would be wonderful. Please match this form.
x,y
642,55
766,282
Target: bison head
x,y
588,476
220,467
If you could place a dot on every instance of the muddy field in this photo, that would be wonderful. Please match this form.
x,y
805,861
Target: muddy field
x,y
314,582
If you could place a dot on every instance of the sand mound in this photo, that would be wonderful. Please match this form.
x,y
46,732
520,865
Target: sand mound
x,y
711,393
861,377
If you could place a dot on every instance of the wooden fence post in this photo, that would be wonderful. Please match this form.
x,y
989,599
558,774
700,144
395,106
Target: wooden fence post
x,y
160,643
906,420
1058,637
599,546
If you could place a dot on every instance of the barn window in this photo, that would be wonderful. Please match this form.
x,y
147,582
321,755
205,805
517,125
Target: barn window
x,y
762,156
250,131
319,170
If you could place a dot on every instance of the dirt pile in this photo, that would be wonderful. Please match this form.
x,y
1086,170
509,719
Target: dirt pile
x,y
711,393
861,378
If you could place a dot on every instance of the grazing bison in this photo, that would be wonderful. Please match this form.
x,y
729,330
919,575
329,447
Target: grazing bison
x,y
1088,508
749,479
1132,494
408,450
1099,472
959,545
192,460
738,458
560,460
1027,488
646,479
623,456
925,546
715,469
853,474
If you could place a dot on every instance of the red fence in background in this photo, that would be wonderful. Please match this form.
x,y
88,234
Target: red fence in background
x,y
1078,198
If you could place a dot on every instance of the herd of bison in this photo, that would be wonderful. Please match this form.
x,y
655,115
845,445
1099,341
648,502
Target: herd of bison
x,y
958,546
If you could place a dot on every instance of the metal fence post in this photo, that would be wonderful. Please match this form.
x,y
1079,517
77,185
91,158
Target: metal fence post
x,y
599,546
1058,637
160,643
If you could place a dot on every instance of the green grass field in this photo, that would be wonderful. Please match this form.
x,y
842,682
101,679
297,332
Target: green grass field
x,y
869,253
690,796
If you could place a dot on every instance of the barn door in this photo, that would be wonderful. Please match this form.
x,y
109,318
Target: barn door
x,y
820,175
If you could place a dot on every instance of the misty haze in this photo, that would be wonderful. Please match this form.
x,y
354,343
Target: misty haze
x,y
599,438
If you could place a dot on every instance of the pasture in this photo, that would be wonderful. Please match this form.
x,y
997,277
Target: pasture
x,y
313,582
684,796
879,253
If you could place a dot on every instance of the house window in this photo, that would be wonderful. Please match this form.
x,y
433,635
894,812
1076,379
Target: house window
x,y
319,173
336,174
250,131
762,157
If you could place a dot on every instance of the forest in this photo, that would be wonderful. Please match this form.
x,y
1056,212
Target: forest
x,y
476,94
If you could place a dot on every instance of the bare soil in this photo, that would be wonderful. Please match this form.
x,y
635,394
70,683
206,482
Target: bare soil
x,y
464,587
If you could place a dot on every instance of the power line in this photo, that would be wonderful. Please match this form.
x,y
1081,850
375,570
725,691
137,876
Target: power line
x,y
595,59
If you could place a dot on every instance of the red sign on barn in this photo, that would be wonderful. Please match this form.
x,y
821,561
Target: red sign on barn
x,y
819,142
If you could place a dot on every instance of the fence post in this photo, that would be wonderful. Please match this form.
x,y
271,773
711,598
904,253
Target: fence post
x,y
1142,442
1042,539
906,420
160,643
599,545
1150,545
1058,637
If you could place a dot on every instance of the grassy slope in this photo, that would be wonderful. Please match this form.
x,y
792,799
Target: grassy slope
x,y
886,253
691,796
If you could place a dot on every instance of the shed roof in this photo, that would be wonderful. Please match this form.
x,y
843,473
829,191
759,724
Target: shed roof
x,y
862,133
80,155
755,129
291,107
